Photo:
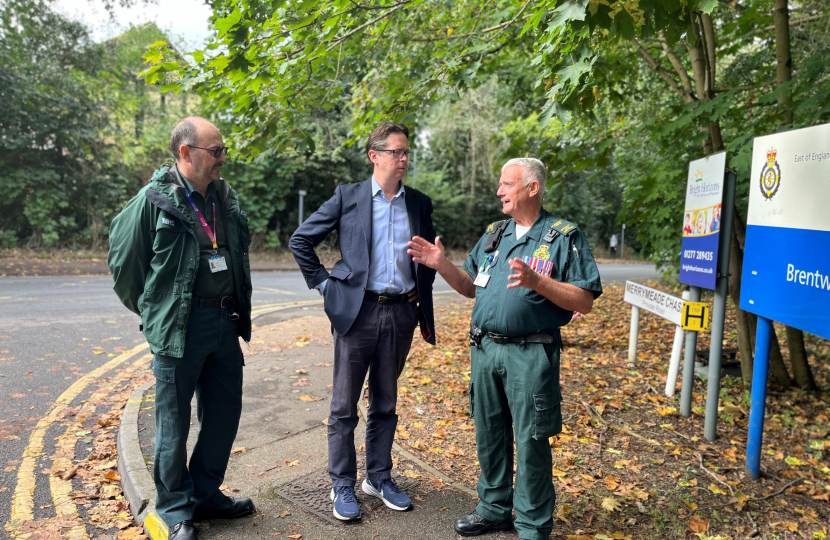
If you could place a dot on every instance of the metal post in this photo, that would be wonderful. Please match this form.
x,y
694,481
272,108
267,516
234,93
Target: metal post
x,y
719,309
633,335
414,166
674,361
303,193
689,363
622,243
760,370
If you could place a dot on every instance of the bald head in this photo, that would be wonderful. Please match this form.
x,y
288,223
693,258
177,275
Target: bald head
x,y
199,150
189,132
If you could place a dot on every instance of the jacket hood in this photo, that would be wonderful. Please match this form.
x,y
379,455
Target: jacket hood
x,y
167,191
173,178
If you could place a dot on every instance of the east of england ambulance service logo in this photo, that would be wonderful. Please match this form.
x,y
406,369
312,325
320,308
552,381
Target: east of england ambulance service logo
x,y
770,175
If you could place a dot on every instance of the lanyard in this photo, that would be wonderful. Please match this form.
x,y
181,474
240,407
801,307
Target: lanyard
x,y
211,234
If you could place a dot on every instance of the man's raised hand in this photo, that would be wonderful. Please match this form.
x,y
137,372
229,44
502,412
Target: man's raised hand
x,y
426,253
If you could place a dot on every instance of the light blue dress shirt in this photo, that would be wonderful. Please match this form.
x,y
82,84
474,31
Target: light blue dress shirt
x,y
390,268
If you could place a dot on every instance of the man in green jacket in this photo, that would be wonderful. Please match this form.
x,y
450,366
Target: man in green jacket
x,y
179,258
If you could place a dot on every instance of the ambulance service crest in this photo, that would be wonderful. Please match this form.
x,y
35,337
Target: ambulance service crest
x,y
770,175
542,253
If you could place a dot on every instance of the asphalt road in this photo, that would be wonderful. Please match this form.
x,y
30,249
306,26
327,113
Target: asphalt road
x,y
55,329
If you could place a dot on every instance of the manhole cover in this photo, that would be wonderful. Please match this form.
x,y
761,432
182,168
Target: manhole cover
x,y
312,493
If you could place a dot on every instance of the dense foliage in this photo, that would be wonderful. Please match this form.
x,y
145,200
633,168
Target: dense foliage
x,y
79,132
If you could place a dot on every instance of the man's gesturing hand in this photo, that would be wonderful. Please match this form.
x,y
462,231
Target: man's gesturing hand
x,y
426,253
525,276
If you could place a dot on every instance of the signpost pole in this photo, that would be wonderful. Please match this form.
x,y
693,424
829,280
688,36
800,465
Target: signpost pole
x,y
758,397
689,362
674,362
719,309
303,193
622,243
633,335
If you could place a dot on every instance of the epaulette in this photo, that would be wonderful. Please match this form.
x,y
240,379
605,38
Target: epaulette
x,y
491,226
559,227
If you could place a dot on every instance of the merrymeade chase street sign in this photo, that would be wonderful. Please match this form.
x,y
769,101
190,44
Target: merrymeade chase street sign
x,y
786,273
701,221
657,302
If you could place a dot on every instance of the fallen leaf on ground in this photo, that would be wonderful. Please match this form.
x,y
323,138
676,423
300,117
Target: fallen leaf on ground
x,y
611,504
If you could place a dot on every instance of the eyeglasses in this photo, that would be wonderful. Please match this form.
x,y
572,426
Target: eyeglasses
x,y
217,152
396,154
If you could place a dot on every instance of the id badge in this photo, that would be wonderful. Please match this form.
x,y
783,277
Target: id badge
x,y
217,264
481,280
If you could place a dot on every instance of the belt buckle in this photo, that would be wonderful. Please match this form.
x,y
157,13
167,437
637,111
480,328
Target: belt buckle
x,y
222,301
499,339
383,299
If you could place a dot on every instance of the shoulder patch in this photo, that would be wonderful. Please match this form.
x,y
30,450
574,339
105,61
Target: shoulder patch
x,y
493,225
564,227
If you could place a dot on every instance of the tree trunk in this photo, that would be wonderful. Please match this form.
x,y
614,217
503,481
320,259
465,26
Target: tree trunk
x,y
777,368
784,66
776,364
736,259
798,360
709,40
784,73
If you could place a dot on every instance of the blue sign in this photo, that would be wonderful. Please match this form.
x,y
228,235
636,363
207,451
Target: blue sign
x,y
786,273
701,222
786,277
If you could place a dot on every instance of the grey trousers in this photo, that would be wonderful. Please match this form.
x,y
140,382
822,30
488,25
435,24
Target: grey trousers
x,y
378,342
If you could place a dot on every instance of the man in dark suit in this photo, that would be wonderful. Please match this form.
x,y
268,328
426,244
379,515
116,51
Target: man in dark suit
x,y
374,296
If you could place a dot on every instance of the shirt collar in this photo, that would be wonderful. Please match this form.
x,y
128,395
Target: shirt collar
x,y
376,188
535,231
208,192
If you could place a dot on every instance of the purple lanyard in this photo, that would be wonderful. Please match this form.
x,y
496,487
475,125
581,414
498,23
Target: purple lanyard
x,y
211,234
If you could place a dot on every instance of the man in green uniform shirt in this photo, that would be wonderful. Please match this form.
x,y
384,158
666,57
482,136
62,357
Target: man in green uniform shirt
x,y
528,274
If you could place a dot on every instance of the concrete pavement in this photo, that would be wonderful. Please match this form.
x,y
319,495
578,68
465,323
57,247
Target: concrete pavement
x,y
281,452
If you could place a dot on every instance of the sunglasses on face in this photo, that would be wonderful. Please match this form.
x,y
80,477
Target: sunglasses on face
x,y
217,152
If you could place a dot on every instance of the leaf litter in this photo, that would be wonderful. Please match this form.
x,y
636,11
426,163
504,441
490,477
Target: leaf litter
x,y
626,463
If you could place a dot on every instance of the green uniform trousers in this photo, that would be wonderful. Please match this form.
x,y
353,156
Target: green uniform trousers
x,y
515,388
212,368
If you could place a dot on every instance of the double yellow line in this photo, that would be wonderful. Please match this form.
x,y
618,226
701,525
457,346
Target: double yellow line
x,y
23,497
267,308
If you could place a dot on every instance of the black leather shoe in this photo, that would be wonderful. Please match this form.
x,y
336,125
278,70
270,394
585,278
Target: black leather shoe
x,y
474,524
229,508
183,530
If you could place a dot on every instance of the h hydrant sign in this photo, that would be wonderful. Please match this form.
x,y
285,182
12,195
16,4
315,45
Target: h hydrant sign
x,y
695,316
701,221
786,273
657,302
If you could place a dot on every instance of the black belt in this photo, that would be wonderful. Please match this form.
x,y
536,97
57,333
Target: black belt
x,y
224,302
476,334
528,338
385,298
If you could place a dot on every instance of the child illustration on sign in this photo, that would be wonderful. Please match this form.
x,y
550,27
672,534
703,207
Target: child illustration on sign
x,y
715,225
701,223
687,225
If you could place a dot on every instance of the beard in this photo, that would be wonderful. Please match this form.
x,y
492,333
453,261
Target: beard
x,y
209,169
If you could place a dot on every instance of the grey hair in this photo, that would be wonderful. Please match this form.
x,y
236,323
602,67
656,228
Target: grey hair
x,y
184,132
532,169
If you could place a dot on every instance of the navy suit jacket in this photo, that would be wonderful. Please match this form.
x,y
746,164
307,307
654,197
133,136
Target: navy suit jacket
x,y
349,212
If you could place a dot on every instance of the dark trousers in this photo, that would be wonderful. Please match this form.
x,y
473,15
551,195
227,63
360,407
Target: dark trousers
x,y
514,395
378,342
212,368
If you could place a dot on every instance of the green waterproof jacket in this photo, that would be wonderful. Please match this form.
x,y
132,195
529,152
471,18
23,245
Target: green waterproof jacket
x,y
154,258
